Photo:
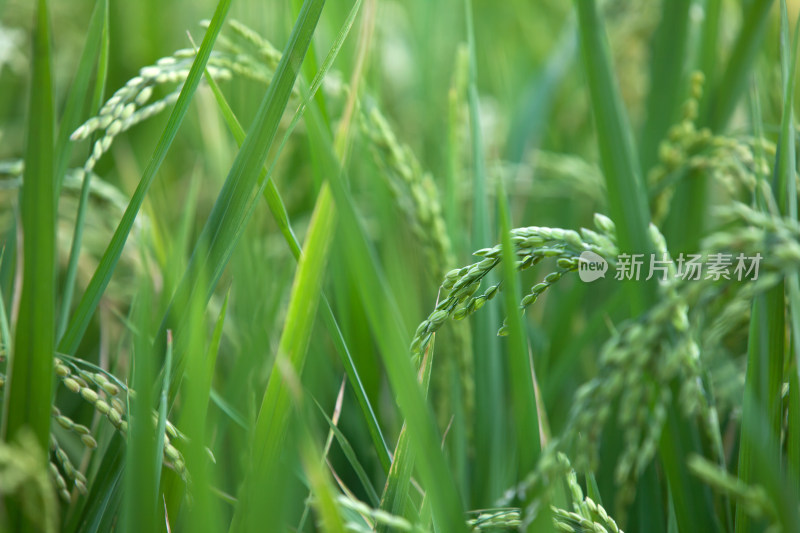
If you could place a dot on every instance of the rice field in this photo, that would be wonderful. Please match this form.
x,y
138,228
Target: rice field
x,y
381,266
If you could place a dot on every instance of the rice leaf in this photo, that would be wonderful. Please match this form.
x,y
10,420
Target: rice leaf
x,y
383,316
101,10
490,429
352,458
225,223
329,516
278,210
28,391
96,41
520,363
204,513
94,292
275,412
667,77
141,505
733,82
627,201
395,498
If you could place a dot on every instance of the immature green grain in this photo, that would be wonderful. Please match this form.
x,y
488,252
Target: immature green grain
x,y
58,480
103,394
636,367
267,52
63,461
586,515
560,175
533,244
100,191
413,189
640,361
129,105
733,162
498,519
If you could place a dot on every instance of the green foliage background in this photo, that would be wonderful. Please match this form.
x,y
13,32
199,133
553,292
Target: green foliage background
x,y
248,307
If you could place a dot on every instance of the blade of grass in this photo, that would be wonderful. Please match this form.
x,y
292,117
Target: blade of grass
x,y
351,457
667,77
96,37
225,223
29,391
162,410
5,329
229,410
771,473
326,448
274,414
329,516
739,67
309,66
140,510
490,427
708,46
395,498
204,512
520,370
80,217
627,201
788,161
8,267
313,458
105,493
276,206
784,181
693,506
385,322
94,292
793,415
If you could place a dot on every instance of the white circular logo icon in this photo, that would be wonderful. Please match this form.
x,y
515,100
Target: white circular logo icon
x,y
591,266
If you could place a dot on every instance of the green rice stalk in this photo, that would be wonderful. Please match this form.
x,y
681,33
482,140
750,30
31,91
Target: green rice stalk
x,y
91,298
275,203
395,497
26,406
86,185
490,429
521,371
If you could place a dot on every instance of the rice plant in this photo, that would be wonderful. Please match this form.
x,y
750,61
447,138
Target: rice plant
x,y
399,266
